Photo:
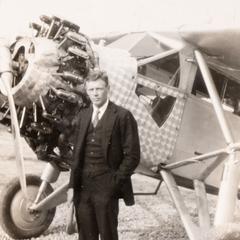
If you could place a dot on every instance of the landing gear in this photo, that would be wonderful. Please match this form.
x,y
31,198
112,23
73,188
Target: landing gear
x,y
16,218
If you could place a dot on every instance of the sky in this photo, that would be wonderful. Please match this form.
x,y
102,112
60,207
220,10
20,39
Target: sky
x,y
101,16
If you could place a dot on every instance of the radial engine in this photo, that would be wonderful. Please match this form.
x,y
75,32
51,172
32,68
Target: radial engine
x,y
48,86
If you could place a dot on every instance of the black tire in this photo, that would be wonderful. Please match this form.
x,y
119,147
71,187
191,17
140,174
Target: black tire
x,y
15,219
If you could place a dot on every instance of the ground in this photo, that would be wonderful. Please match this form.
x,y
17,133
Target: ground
x,y
152,217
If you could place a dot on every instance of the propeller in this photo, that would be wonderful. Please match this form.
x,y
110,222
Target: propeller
x,y
7,79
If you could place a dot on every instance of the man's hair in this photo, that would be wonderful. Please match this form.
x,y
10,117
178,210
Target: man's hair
x,y
94,75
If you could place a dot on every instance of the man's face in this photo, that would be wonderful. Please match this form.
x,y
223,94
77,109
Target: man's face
x,y
97,92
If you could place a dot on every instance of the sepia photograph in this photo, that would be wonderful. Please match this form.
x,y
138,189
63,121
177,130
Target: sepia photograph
x,y
119,120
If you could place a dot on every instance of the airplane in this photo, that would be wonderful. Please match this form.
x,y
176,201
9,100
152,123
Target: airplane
x,y
185,99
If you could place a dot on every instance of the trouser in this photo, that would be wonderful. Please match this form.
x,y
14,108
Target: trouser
x,y
97,208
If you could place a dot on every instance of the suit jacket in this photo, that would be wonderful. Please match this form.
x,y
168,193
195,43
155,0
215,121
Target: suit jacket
x,y
120,144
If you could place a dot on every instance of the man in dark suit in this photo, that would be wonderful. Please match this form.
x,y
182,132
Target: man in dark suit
x,y
106,153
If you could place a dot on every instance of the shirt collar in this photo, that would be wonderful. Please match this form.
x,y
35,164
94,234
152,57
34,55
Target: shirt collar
x,y
102,109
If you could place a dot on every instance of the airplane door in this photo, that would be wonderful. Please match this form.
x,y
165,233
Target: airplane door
x,y
157,104
158,109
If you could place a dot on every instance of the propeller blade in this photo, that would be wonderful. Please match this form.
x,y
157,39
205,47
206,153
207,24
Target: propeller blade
x,y
6,79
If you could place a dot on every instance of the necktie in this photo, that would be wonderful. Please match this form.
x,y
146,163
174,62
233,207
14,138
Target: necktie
x,y
96,118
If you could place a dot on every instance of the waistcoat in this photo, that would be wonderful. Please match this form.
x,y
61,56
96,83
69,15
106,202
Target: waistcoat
x,y
94,162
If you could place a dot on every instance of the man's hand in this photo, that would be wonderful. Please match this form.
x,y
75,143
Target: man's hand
x,y
71,223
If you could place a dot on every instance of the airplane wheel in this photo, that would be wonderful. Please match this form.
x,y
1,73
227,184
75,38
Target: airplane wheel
x,y
15,218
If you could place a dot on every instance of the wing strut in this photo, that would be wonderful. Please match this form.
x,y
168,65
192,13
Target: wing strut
x,y
229,186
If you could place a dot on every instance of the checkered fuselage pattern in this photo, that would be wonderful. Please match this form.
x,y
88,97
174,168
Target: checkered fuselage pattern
x,y
157,143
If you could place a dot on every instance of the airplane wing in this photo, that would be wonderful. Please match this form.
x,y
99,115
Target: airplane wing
x,y
221,44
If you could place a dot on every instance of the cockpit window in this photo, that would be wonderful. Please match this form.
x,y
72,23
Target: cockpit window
x,y
164,73
165,70
158,105
232,96
228,90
